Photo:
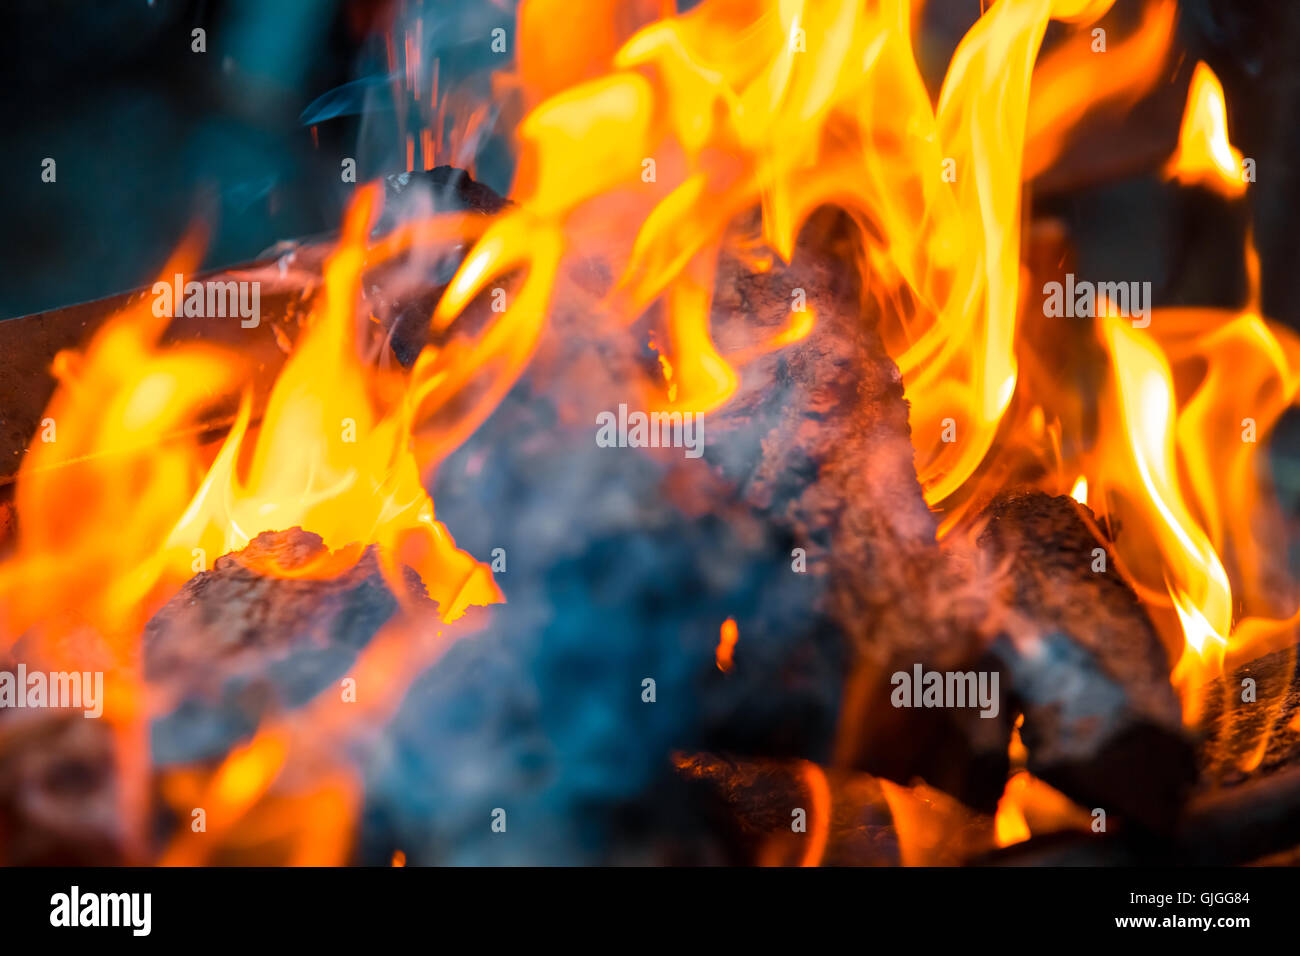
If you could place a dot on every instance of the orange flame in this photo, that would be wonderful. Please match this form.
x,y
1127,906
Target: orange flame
x,y
681,129
1010,826
120,503
727,644
819,813
822,102
102,481
1196,579
1178,465
1077,77
333,460
1204,155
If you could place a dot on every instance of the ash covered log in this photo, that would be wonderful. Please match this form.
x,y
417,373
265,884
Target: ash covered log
x,y
235,646
240,642
565,710
622,563
1101,720
817,439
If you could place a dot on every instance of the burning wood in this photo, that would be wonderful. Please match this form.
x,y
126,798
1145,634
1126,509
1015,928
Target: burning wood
x,y
830,605
266,629
817,439
1102,723
1251,721
1238,825
777,813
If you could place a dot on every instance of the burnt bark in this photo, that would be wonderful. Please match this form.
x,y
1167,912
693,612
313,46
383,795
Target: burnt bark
x,y
1251,730
1245,824
844,818
621,565
238,643
817,439
1101,720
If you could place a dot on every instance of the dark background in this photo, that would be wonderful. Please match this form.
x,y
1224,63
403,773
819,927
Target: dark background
x,y
151,137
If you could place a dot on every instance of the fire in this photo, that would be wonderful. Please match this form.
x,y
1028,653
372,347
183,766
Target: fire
x,y
1068,83
649,141
1177,463
684,130
101,483
1196,579
823,103
120,504
1204,155
1028,806
115,488
1010,826
334,460
819,813
681,129
727,644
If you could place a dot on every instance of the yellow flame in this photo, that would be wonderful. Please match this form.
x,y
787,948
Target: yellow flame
x,y
333,460
1204,156
1193,571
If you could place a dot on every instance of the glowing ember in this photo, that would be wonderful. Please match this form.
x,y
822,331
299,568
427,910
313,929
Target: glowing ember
x,y
727,644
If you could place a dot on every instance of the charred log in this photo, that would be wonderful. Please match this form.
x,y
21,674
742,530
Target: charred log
x,y
1250,721
1242,824
1101,720
817,439
794,812
240,641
